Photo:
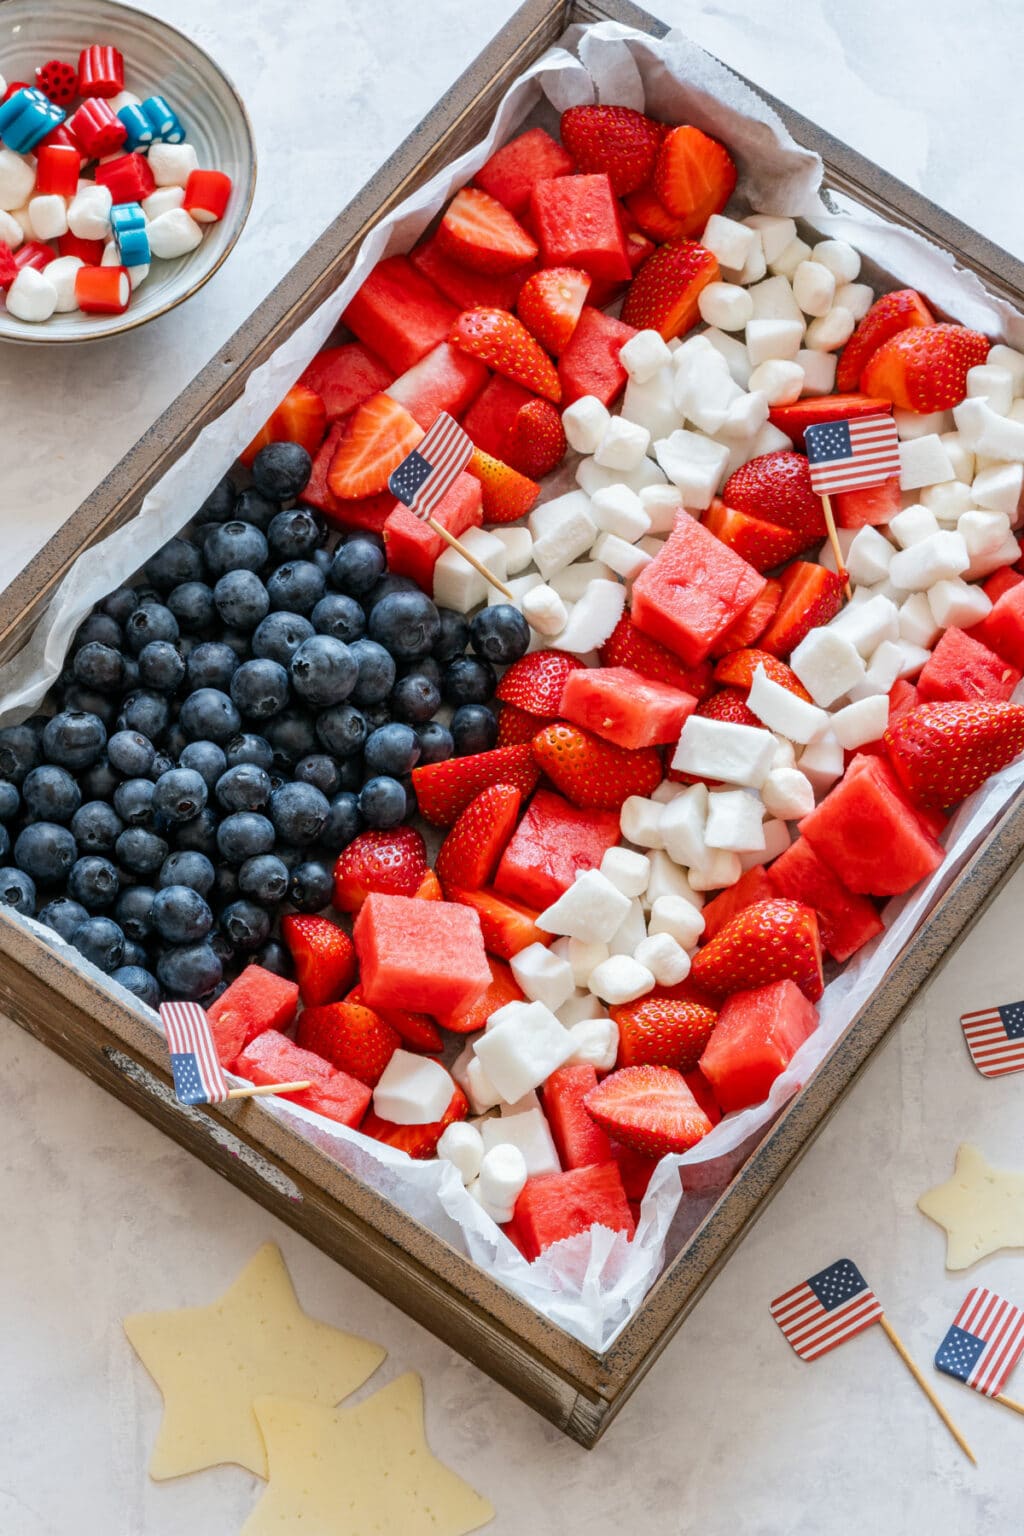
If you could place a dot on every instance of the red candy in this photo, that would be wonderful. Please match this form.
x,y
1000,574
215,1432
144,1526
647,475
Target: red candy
x,y
8,265
33,254
102,290
57,167
206,195
100,71
97,129
62,139
129,178
89,251
15,86
59,81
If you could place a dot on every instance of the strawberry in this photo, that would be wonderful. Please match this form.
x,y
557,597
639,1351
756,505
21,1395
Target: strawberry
x,y
616,140
418,1140
535,442
536,682
351,1037
663,295
443,790
505,494
592,773
507,926
429,888
393,862
943,752
652,219
792,419
325,961
504,344
763,545
378,435
750,626
418,1030
469,854
739,668
768,941
662,1032
503,989
638,246
811,595
925,368
694,177
59,81
649,1109
628,646
300,418
516,725
550,303
776,487
483,235
730,705
892,313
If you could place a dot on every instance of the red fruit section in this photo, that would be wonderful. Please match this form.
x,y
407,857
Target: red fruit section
x,y
961,668
426,955
753,885
513,171
578,225
757,1034
693,591
417,1140
490,418
870,506
868,834
503,989
445,380
464,287
345,376
1002,628
272,1058
256,1000
846,921
507,926
561,1204
398,314
413,548
590,363
579,1141
625,708
553,841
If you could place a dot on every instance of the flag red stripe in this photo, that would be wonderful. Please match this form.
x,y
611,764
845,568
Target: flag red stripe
x,y
824,1322
843,1324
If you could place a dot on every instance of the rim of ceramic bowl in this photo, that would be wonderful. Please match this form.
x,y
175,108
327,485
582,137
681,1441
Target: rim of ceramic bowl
x,y
157,24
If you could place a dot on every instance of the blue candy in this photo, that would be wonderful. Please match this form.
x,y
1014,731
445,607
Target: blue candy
x,y
26,117
128,223
165,123
140,129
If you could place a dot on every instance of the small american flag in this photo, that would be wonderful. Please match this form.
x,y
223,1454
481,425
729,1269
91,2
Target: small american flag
x,y
198,1076
426,474
847,455
984,1343
995,1038
827,1309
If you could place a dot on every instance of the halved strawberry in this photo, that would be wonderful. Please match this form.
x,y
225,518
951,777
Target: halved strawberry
x,y
418,1030
300,418
892,313
504,344
503,989
469,854
649,1109
325,961
550,303
662,1032
536,682
592,773
392,862
429,888
739,668
769,941
694,177
535,442
443,790
763,545
506,495
638,245
480,233
730,705
776,487
378,435
750,626
943,752
616,140
516,725
351,1037
792,419
418,1141
811,595
628,646
507,926
652,219
925,368
663,296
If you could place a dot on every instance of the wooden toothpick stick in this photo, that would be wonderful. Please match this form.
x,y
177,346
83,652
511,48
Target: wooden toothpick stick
x,y
901,1350
833,538
266,1088
466,554
1009,1402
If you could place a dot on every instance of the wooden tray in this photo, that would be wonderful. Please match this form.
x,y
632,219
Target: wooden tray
x,y
578,1390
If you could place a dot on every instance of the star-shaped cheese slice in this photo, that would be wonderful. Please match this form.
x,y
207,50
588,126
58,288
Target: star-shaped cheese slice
x,y
210,1363
981,1208
366,1470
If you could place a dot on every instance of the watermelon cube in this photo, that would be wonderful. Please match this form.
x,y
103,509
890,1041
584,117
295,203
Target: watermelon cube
x,y
578,224
464,287
1002,628
558,1205
345,376
962,668
846,921
368,512
693,591
634,1169
623,707
507,925
552,843
1000,582
513,171
757,1035
398,314
424,955
868,834
342,1098
579,1140
272,1058
413,548
445,380
589,364
256,1000
869,506
489,419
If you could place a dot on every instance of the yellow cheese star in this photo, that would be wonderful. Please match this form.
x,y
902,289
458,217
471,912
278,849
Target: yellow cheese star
x,y
211,1362
981,1208
362,1471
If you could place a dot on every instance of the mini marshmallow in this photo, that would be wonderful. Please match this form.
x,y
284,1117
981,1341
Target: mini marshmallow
x,y
163,200
998,437
725,305
11,232
623,444
174,233
89,213
867,624
718,749
457,584
595,1042
574,580
640,821
780,382
993,384
998,489
630,931
412,1090
840,259
462,1145
868,557
776,233
502,1178
913,424
983,532
923,461
819,371
693,463
620,979
769,440
619,510
934,559
917,622
584,422
748,413
776,840
956,602
734,352
666,960
828,665
583,956
734,823
49,215
719,868
651,405
519,586
643,355
787,793
729,240
591,477
830,332
826,554
790,257
984,564
581,1007
683,825
172,164
530,1133
17,178
814,288
948,501
886,665
31,296
773,339
773,300
592,909
521,1052
662,504
856,297
785,755
544,610
861,722
678,918
61,273
823,761
626,560
667,879
543,977
755,266
627,870
562,530
518,544
592,619
476,1085
1001,356
783,711
969,418
912,525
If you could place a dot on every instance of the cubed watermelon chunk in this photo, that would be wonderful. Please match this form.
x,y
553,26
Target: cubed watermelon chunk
x,y
693,591
579,1140
752,886
559,1205
551,844
962,668
995,586
757,1035
398,314
465,288
704,1094
513,171
577,222
869,506
846,921
256,1000
489,419
425,955
1002,628
445,380
342,1098
413,548
868,833
344,377
590,364
272,1058
368,512
623,707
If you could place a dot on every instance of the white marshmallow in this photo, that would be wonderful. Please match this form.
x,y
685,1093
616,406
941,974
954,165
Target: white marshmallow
x,y
917,622
998,437
725,305
174,233
475,1083
1001,356
11,232
640,821
923,461
822,762
17,178
591,477
787,793
755,266
412,1090
562,530
912,525
584,422
867,624
729,240
735,821
61,273
999,489
970,417
683,824
519,586
1007,553
785,755
703,388
592,909
623,444
948,501
544,610
830,332
592,619
89,213
781,383
457,584
693,463
856,297
666,960
583,956
819,371
983,532
581,1007
826,555
993,384
138,273
518,544
773,300
783,711
667,879
790,257
719,868
630,931
828,665
734,352
620,979
543,977
627,870
530,1133
840,259
718,749
776,841
172,164
619,510
626,560
502,1180
934,559
776,233
31,296
462,1144
814,287
956,602
651,405
595,1042
49,215
678,918
163,200
769,440
574,580
748,413
644,355
773,339
912,424
868,557
861,722
520,1052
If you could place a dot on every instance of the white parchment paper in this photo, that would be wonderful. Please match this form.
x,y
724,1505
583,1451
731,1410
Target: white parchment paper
x,y
590,1284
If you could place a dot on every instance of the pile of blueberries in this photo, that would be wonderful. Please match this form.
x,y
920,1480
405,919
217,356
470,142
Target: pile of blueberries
x,y
223,730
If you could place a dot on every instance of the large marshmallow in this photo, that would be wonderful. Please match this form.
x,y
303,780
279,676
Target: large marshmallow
x,y
866,625
718,749
49,215
720,867
17,178
623,445
924,461
783,711
735,821
62,273
983,532
993,384
651,405
592,619
773,339
530,1132
581,1007
679,918
999,489
819,370
790,257
840,258
523,1050
583,956
748,413
861,722
948,501
626,560
776,841
627,870
776,233
917,622
31,296
574,581
591,477
584,423
912,525
828,665
620,979
89,212
459,585
544,610
730,241
773,300
734,352
543,977
643,355
412,1090
693,463
162,201
725,305
955,602
1005,357
780,382
997,437
667,879
618,510
868,557
462,1145
823,762
518,544
935,559
562,530
172,164
591,909
787,793
468,1072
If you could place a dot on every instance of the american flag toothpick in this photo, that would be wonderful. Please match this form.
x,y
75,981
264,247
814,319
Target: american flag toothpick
x,y
983,1344
849,456
198,1075
995,1038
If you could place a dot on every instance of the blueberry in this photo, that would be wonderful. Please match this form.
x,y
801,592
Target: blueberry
x,y
376,673
246,787
386,585
393,750
275,958
255,508
351,769
99,667
291,735
63,915
211,665
10,800
296,587
340,617
99,781
243,836
436,743
120,603
19,751
145,712
101,941
87,701
235,546
323,671
246,925
241,599
199,835
189,970
209,715
225,886
321,770
469,680
218,505
281,470
17,890
377,715
101,629
131,753
323,558
133,802
178,561
134,954
150,621
5,844
96,826
94,882
294,535
406,623
161,666
474,729
206,758
140,982
264,880
343,822
357,566
342,730
259,688
180,794
454,636
133,910
72,739
139,851
250,748
311,886
186,867
280,635
299,812
180,915
415,699
46,852
193,606
382,802
51,794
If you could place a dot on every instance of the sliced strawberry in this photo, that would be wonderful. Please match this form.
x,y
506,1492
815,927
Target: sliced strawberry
x,y
536,443
776,487
536,682
418,1030
469,854
392,862
811,595
325,961
418,1141
750,626
504,344
652,219
943,752
592,773
506,494
694,177
300,418
507,926
925,368
739,668
662,1032
792,419
628,646
368,512
378,435
763,545
503,989
480,233
768,941
616,140
649,1109
429,888
350,1036
892,313
729,705
443,790
663,296
551,302
516,725
464,287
